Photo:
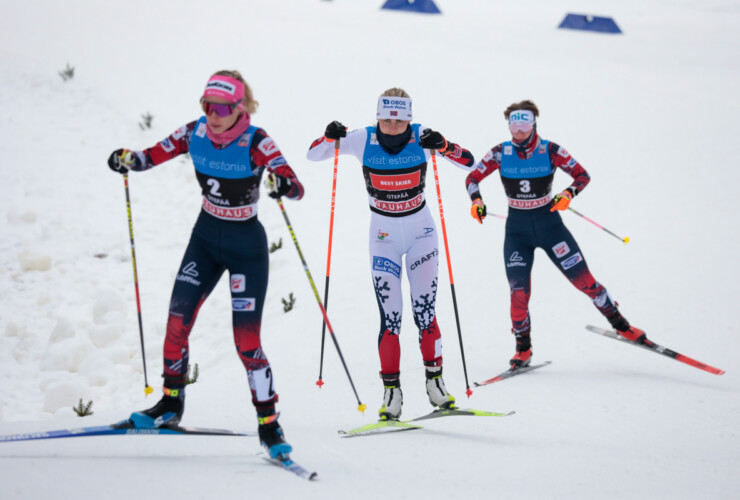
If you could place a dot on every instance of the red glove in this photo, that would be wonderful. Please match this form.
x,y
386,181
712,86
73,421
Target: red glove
x,y
562,201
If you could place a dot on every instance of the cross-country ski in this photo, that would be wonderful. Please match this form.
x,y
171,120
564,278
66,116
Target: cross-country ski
x,y
511,372
656,348
386,426
110,430
290,465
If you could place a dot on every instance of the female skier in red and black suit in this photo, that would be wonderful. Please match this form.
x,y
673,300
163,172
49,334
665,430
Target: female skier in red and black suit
x,y
527,165
230,156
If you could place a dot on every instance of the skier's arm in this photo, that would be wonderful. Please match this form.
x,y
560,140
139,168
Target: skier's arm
x,y
459,156
353,143
175,144
265,154
433,140
488,165
560,158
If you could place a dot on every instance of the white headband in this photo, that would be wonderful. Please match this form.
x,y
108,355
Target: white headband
x,y
394,108
521,116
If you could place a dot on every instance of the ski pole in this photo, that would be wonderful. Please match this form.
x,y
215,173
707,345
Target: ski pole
x,y
147,388
468,391
360,406
320,382
624,240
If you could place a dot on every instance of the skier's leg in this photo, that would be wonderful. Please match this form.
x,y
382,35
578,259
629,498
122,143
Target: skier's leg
x,y
518,261
565,253
197,276
422,267
385,264
249,267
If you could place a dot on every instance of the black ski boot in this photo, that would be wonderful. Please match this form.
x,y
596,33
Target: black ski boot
x,y
166,413
270,433
622,326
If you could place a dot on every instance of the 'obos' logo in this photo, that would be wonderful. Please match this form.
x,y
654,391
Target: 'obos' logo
x,y
386,265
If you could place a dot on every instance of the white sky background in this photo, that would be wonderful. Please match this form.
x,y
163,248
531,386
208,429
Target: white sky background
x,y
650,114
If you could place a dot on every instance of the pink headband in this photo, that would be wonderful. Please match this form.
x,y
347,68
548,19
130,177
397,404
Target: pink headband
x,y
227,87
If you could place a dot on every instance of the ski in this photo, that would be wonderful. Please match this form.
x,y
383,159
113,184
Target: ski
x,y
510,373
380,427
448,412
386,426
287,463
656,348
110,430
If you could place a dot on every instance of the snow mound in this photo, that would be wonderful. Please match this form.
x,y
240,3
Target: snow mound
x,y
60,395
96,369
66,355
18,217
109,308
63,330
31,261
106,335
13,329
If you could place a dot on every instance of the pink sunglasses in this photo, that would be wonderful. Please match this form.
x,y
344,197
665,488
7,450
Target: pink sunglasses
x,y
520,127
222,110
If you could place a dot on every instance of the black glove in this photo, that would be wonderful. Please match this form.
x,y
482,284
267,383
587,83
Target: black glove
x,y
278,185
432,140
335,130
123,160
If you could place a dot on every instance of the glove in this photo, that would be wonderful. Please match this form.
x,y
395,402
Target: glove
x,y
335,130
433,140
478,210
562,201
123,160
278,185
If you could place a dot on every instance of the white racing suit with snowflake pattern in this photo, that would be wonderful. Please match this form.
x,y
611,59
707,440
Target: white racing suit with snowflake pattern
x,y
401,224
390,239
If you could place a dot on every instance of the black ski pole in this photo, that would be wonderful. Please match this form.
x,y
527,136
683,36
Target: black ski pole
x,y
624,240
147,388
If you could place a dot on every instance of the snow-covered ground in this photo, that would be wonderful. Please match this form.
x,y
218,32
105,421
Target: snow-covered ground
x,y
651,114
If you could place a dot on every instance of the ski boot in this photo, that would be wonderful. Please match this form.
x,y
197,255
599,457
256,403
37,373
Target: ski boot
x,y
523,354
623,328
392,398
166,413
521,359
436,390
271,435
